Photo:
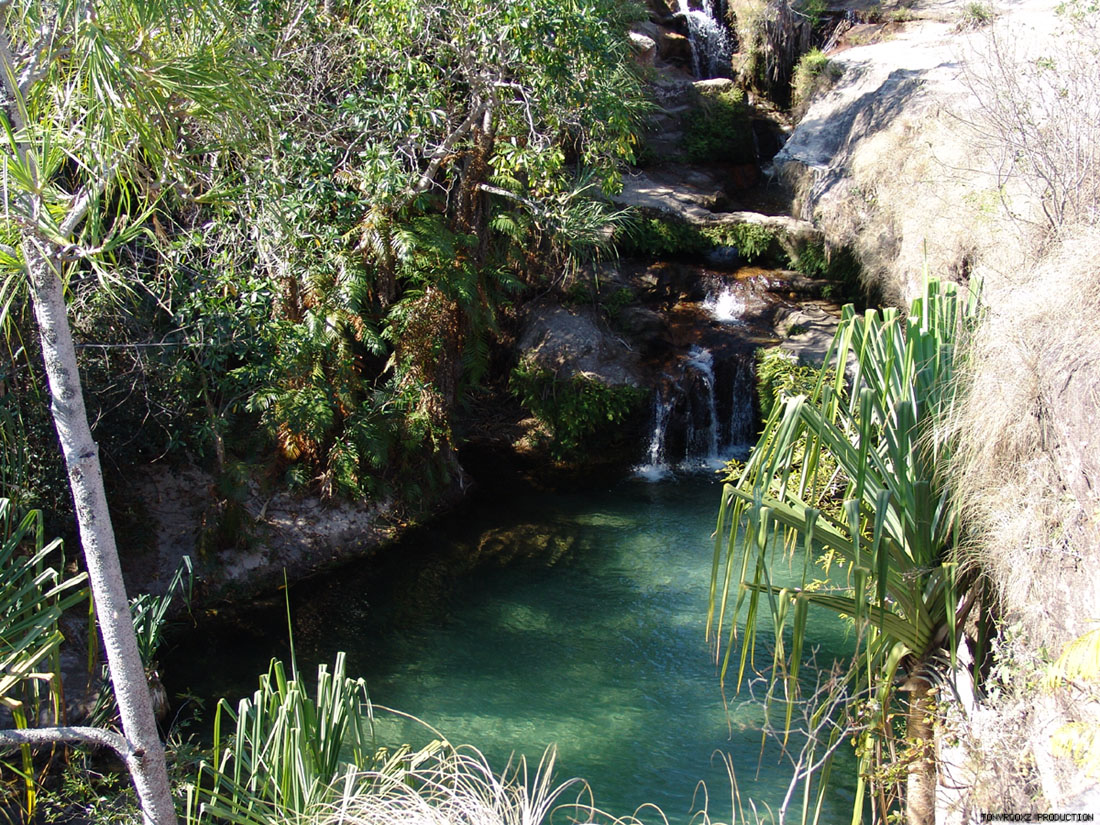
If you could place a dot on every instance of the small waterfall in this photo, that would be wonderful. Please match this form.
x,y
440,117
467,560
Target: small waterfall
x,y
704,443
702,417
655,467
739,422
727,305
710,43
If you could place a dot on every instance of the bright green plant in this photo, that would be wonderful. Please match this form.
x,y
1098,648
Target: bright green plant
x,y
884,518
752,240
779,377
33,595
284,752
813,73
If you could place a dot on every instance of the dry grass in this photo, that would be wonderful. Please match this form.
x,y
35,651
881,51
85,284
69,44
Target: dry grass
x,y
1028,473
453,787
1028,477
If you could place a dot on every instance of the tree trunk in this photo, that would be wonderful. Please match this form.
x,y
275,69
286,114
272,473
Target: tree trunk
x,y
920,790
148,766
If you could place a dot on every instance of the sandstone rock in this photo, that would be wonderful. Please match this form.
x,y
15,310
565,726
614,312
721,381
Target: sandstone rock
x,y
714,86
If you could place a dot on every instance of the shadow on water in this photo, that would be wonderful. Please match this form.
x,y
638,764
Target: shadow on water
x,y
573,619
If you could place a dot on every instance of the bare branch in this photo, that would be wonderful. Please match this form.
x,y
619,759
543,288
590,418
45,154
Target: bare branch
x,y
71,735
445,148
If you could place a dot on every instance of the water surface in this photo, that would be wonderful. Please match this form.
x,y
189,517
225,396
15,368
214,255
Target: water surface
x,y
567,619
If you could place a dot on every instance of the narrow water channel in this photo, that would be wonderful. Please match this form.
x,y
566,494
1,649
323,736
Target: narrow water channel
x,y
572,619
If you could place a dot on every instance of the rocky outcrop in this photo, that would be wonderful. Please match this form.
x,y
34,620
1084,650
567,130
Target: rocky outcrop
x,y
697,196
902,162
571,342
890,161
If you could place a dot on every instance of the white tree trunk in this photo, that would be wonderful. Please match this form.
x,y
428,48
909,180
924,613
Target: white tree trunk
x,y
97,536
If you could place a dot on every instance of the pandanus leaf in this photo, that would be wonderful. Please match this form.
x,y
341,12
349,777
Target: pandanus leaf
x,y
896,525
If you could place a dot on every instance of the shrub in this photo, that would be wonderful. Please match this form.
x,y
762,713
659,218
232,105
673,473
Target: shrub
x,y
975,16
779,377
719,129
811,260
752,240
814,74
650,237
574,410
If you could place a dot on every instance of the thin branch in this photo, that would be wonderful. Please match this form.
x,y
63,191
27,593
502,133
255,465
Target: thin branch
x,y
504,193
445,148
100,737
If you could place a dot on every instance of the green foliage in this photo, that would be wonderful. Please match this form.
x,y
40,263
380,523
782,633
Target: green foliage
x,y
719,129
779,377
893,530
752,240
33,596
435,160
813,74
575,411
811,260
657,237
284,752
617,301
814,11
975,15
660,237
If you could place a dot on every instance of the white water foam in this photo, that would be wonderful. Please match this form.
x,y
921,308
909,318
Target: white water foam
x,y
726,306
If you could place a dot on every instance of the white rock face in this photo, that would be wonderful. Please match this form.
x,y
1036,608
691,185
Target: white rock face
x,y
889,160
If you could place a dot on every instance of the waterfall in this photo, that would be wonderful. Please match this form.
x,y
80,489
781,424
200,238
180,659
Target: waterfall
x,y
703,416
727,305
655,467
739,423
703,445
710,44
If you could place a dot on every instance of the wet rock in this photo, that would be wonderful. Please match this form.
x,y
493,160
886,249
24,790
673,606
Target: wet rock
x,y
648,327
724,257
674,47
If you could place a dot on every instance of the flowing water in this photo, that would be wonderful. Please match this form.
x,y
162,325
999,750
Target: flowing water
x,y
571,619
710,45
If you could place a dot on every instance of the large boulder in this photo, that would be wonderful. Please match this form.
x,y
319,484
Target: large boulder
x,y
572,341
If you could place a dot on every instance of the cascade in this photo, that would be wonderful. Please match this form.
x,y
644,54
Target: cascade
x,y
704,444
710,43
655,467
703,415
727,305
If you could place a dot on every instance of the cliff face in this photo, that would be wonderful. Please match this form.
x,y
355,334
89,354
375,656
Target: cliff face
x,y
962,145
895,159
